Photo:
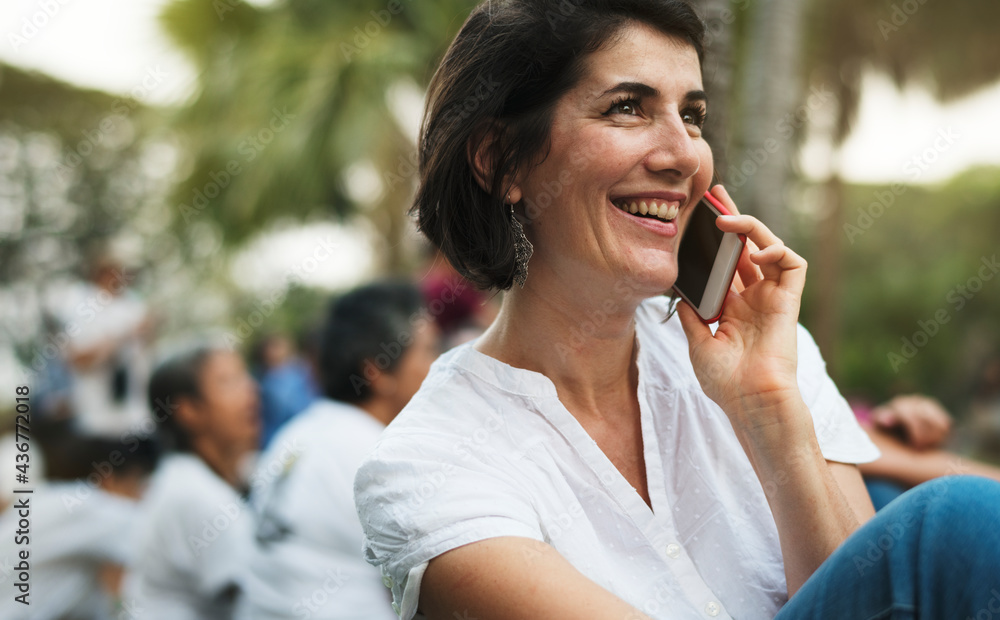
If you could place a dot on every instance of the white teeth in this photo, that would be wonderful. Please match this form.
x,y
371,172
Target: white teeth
x,y
661,210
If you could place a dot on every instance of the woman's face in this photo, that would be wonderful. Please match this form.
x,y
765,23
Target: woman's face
x,y
628,132
415,363
229,406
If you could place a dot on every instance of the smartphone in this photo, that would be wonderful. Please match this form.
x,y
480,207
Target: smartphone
x,y
706,260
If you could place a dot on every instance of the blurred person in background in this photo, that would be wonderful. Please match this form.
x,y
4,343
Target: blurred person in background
x,y
53,378
461,311
81,519
286,383
192,543
109,329
375,350
911,432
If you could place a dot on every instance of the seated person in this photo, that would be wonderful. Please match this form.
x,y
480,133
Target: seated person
x,y
192,544
79,535
375,350
584,458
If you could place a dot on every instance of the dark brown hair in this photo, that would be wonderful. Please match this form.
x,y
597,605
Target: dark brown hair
x,y
177,378
372,324
502,76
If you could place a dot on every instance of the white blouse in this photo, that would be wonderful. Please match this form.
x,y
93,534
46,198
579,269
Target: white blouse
x,y
486,450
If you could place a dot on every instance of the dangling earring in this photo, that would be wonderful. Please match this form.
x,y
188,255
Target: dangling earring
x,y
522,247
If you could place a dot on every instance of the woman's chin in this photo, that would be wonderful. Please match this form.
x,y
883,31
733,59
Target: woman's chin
x,y
651,280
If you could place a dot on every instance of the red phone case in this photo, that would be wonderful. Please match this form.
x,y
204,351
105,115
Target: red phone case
x,y
743,238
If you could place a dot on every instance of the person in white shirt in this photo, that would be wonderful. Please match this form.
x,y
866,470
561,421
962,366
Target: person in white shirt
x,y
584,458
376,347
78,539
193,542
109,329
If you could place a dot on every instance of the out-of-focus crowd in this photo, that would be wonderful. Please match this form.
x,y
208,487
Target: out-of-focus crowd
x,y
213,483
209,483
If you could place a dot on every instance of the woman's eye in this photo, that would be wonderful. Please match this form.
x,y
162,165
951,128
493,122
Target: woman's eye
x,y
628,107
694,116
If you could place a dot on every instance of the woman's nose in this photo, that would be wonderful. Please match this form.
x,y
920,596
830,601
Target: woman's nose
x,y
673,150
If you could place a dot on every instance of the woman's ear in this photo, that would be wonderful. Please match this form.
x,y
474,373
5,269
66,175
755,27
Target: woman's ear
x,y
380,382
481,159
189,417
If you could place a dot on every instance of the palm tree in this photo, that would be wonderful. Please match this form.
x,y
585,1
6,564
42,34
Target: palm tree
x,y
770,90
291,96
717,69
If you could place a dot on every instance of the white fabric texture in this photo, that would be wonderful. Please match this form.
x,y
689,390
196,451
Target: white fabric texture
x,y
485,450
307,559
75,530
192,547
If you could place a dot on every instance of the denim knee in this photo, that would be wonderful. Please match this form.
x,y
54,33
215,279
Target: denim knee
x,y
957,497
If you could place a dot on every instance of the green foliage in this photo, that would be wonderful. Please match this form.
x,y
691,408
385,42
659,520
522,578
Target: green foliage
x,y
323,66
299,312
912,274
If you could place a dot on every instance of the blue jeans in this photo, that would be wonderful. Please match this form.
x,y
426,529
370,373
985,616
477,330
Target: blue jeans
x,y
934,552
882,491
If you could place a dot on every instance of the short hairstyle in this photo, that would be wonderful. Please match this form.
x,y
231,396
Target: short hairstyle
x,y
502,75
372,324
74,457
176,378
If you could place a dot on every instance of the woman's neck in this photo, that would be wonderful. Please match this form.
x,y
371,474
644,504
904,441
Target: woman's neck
x,y
224,462
584,343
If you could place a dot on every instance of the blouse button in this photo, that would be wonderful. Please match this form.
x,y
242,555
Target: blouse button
x,y
387,581
395,608
712,609
673,550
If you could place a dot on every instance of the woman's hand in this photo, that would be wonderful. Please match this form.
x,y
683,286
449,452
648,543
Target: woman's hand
x,y
748,367
923,422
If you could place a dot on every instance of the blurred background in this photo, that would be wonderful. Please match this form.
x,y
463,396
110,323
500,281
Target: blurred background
x,y
234,163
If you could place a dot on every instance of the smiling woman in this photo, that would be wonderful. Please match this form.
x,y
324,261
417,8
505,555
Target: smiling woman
x,y
583,457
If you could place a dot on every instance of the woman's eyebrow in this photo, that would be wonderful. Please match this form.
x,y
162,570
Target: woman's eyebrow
x,y
645,90
696,95
632,88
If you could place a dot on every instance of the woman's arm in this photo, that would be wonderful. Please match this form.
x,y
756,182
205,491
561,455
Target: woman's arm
x,y
513,578
748,367
810,509
910,467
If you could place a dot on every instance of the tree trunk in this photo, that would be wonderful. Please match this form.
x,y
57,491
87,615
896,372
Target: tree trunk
x,y
759,170
717,70
827,272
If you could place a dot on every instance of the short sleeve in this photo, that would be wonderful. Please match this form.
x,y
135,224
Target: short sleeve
x,y
105,531
223,562
840,436
217,532
415,509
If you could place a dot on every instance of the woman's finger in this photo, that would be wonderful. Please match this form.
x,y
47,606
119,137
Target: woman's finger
x,y
750,226
723,196
747,272
696,331
777,262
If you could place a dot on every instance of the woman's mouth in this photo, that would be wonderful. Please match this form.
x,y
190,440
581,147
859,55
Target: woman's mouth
x,y
649,208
